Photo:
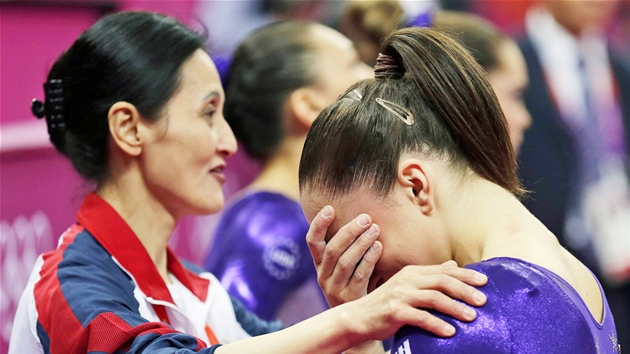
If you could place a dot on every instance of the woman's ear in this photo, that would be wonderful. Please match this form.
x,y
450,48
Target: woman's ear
x,y
304,104
124,120
413,176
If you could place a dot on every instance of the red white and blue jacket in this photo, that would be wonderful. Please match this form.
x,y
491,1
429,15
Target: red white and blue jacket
x,y
99,292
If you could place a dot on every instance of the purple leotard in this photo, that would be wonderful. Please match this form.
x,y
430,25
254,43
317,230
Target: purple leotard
x,y
260,255
529,310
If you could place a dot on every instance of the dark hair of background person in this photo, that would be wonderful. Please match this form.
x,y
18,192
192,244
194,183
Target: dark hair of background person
x,y
477,35
266,68
457,118
117,59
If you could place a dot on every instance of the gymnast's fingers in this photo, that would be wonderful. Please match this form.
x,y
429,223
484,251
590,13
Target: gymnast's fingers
x,y
316,236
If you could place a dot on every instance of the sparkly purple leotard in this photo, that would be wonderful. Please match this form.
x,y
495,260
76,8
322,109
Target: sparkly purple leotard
x,y
260,255
529,310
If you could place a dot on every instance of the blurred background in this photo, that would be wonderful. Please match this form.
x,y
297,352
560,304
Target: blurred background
x,y
39,191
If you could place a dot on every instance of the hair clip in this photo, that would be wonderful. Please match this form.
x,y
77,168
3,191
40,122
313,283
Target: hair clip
x,y
52,108
354,95
402,113
37,108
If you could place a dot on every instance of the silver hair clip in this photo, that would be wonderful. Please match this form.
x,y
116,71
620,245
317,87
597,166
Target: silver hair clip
x,y
402,113
354,95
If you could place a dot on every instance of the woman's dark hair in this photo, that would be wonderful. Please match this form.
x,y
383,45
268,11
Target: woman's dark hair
x,y
358,140
473,32
129,56
267,67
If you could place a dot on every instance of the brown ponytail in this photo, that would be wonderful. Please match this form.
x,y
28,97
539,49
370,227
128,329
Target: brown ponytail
x,y
454,86
456,116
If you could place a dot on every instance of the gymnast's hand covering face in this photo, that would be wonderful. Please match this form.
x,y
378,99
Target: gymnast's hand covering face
x,y
345,258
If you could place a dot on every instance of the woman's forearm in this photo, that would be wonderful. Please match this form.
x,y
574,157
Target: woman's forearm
x,y
332,331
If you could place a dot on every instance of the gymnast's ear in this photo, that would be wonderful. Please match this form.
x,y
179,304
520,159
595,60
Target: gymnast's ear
x,y
415,177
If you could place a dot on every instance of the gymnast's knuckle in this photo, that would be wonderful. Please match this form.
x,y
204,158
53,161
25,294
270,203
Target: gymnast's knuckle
x,y
332,253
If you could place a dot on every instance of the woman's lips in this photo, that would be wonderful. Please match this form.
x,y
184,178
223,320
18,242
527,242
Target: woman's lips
x,y
217,172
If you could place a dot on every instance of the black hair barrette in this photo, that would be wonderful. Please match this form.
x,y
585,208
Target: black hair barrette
x,y
52,108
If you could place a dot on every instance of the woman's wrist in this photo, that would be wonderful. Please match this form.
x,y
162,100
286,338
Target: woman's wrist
x,y
369,347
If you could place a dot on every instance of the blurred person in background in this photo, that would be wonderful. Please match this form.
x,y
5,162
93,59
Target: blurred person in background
x,y
230,22
366,23
574,158
501,59
281,77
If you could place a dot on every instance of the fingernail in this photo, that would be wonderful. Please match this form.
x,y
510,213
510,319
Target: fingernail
x,y
469,313
327,212
481,278
363,221
479,297
375,246
372,230
449,330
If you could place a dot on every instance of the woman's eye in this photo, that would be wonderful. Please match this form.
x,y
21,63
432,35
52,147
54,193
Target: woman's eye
x,y
210,112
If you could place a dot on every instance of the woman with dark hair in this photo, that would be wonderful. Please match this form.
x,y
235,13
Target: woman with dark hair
x,y
136,105
281,77
424,150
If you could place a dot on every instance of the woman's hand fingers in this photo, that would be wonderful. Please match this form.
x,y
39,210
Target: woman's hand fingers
x,y
409,295
468,276
363,271
345,262
354,284
339,244
440,285
326,255
345,251
316,235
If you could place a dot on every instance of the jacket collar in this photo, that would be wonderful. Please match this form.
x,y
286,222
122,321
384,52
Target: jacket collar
x,y
113,233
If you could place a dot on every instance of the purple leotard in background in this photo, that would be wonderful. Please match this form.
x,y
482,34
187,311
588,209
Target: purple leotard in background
x,y
529,310
260,255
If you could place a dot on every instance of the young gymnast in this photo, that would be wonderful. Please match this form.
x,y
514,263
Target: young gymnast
x,y
423,151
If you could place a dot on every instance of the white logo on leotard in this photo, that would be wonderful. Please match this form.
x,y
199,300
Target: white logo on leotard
x,y
404,348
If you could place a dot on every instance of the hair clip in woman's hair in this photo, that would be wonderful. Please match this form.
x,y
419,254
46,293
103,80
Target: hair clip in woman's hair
x,y
354,95
37,108
402,113
52,108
